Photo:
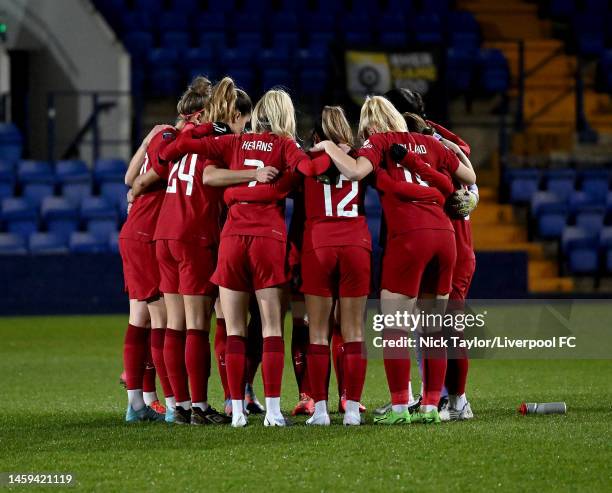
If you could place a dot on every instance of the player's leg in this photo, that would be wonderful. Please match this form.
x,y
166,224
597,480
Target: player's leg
x,y
254,353
353,289
319,309
157,313
299,351
134,355
337,354
220,343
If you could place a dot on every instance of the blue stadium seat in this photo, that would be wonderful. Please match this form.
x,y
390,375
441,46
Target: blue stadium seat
x,y
596,188
243,21
20,216
237,60
36,192
175,40
48,244
113,192
560,182
75,192
173,21
591,221
583,260
605,69
113,242
522,183
7,179
579,201
188,6
427,28
460,68
11,143
318,40
589,32
393,39
440,6
148,5
87,243
312,81
605,246
138,43
276,77
561,9
358,29
315,57
200,61
283,22
320,22
290,40
550,213
135,21
494,71
277,57
12,244
214,40
221,5
244,79
110,170
72,171
464,31
210,22
250,43
60,215
35,172
101,228
97,208
580,249
393,30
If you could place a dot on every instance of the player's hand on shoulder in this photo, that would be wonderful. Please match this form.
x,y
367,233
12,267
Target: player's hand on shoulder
x,y
154,131
266,174
398,152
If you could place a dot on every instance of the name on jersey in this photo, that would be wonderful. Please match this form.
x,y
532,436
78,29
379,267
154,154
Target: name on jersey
x,y
257,145
417,148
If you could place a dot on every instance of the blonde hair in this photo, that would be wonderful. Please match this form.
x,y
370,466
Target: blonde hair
x,y
195,99
226,99
274,113
378,113
335,126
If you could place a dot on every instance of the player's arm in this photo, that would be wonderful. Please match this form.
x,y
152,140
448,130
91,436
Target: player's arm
x,y
352,169
270,192
216,176
402,190
195,140
142,182
448,135
413,162
465,171
140,154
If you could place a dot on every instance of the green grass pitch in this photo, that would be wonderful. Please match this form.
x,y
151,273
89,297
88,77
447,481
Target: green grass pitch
x,y
63,412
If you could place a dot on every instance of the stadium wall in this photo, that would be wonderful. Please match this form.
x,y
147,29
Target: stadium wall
x,y
69,48
87,284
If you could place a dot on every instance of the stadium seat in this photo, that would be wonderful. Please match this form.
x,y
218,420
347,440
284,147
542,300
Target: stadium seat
x,y
135,21
61,216
221,5
11,143
574,238
561,9
276,58
48,244
20,216
314,57
276,77
173,21
560,182
605,246
283,22
427,28
210,22
148,5
312,81
200,61
35,172
113,242
187,6
460,67
494,71
214,40
578,201
250,43
550,214
110,170
72,171
523,183
138,43
175,40
113,192
7,179
36,192
464,31
87,243
97,208
12,244
244,79
236,60
591,221
589,32
101,228
75,192
290,40
436,6
596,188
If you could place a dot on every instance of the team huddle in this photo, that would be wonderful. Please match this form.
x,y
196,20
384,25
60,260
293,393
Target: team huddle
x,y
206,232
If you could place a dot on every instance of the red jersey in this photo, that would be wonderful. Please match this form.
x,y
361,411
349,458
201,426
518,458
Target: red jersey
x,y
248,151
401,216
142,219
335,214
191,210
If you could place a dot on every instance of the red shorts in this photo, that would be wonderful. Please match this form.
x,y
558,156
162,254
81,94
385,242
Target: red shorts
x,y
336,271
249,263
462,278
407,255
140,269
186,268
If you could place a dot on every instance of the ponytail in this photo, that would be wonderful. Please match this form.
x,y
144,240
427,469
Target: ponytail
x,y
334,126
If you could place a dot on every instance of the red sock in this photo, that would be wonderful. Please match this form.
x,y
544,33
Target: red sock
x,y
174,358
318,371
235,365
157,354
434,371
134,352
272,365
254,344
299,348
337,347
397,366
148,379
220,343
197,362
355,364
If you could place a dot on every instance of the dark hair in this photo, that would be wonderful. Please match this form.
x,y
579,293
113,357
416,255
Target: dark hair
x,y
195,99
417,124
406,101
